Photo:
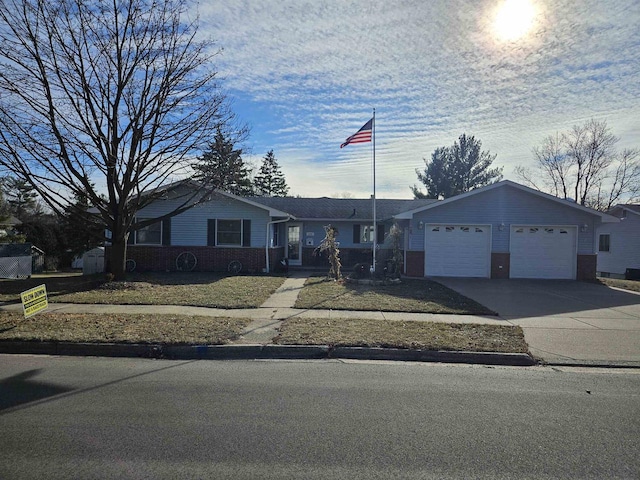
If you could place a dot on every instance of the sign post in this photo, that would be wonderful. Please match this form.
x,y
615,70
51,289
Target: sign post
x,y
34,300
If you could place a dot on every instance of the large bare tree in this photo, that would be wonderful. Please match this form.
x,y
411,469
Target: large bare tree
x,y
583,164
119,94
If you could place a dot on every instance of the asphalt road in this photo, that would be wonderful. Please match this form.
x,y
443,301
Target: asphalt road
x,y
63,417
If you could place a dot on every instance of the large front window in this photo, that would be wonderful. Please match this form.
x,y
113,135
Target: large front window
x,y
229,232
149,235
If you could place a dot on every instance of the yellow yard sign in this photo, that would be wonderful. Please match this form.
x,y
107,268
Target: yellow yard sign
x,y
34,300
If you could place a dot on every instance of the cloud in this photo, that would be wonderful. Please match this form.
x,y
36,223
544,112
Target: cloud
x,y
309,74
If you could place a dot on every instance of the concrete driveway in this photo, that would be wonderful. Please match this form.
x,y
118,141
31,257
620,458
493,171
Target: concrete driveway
x,y
564,322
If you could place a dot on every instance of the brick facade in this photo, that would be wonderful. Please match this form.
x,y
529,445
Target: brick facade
x,y
587,265
500,264
209,259
415,263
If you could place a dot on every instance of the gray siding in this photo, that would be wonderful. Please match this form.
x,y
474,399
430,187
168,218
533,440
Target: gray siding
x,y
624,247
345,233
508,206
190,227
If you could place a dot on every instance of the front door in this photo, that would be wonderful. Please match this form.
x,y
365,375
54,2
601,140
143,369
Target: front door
x,y
294,244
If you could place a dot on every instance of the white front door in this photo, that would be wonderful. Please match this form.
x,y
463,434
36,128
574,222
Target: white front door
x,y
294,243
457,250
543,251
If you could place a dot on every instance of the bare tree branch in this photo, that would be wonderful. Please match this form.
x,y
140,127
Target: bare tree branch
x,y
117,94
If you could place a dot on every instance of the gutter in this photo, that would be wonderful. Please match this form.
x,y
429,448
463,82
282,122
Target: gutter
x,y
266,244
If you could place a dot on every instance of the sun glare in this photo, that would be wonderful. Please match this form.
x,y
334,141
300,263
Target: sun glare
x,y
514,19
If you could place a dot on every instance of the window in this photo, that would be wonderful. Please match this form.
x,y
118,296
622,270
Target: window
x,y
149,235
366,233
604,243
465,229
229,232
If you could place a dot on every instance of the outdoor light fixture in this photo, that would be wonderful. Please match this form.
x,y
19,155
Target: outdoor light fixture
x,y
501,227
420,225
584,227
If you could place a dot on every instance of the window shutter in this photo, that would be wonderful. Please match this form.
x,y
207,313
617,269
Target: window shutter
x,y
166,231
246,233
380,233
356,233
211,232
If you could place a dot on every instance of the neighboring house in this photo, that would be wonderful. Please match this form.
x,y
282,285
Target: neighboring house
x,y
7,226
504,230
619,243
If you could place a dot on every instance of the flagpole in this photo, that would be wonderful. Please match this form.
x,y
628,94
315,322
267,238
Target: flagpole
x,y
375,228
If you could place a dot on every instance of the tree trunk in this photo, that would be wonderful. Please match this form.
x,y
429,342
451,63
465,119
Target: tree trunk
x,y
118,258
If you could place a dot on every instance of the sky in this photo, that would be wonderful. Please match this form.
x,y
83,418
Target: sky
x,y
305,75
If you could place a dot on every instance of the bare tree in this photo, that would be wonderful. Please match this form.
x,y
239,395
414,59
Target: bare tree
x,y
118,94
583,164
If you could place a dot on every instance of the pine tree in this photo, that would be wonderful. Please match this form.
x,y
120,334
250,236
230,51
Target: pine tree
x,y
270,181
222,167
21,198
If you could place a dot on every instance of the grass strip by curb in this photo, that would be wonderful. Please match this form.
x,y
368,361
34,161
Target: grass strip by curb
x,y
402,334
120,328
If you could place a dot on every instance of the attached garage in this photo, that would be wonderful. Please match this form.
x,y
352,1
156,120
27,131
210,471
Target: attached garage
x,y
457,250
543,251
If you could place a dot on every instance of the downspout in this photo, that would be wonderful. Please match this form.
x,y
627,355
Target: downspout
x,y
266,247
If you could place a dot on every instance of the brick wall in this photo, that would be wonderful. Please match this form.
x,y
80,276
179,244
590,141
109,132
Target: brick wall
x,y
415,263
500,264
586,267
209,259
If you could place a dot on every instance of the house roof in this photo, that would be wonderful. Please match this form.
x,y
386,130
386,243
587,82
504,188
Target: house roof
x,y
630,207
605,218
339,208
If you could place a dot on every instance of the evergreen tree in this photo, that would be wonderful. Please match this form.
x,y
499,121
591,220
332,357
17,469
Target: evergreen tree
x,y
457,169
83,230
270,181
222,167
21,198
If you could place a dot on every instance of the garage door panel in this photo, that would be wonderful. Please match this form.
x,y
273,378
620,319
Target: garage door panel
x,y
457,250
543,252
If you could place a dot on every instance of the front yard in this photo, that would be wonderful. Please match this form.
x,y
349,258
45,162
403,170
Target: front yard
x,y
194,289
412,295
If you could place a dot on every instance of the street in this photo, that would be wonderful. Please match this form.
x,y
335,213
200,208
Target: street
x,y
79,417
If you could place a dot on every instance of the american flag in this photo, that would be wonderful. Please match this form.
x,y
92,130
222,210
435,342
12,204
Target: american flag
x,y
361,136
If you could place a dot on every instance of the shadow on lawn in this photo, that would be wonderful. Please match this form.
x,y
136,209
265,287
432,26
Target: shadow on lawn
x,y
56,285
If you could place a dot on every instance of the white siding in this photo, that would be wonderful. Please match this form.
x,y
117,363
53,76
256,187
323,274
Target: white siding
x,y
624,247
190,227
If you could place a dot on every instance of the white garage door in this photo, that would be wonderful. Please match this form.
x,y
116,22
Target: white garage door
x,y
457,250
543,252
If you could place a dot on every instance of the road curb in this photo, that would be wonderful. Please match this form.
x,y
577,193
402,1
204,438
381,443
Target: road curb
x,y
261,352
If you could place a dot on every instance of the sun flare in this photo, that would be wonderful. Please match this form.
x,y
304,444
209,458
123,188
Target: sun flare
x,y
514,19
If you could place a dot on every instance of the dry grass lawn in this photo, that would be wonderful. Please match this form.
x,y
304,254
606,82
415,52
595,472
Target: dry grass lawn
x,y
633,285
116,328
412,295
195,289
399,334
